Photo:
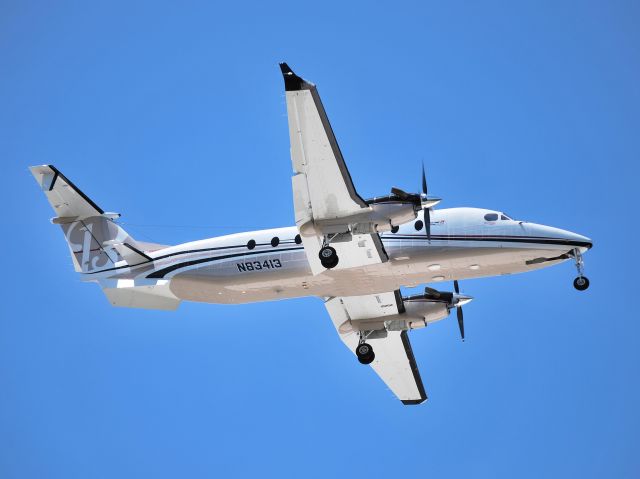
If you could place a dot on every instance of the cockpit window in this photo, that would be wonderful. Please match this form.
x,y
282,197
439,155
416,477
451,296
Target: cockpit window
x,y
504,217
491,217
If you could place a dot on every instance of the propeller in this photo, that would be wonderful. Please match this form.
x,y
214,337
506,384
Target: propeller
x,y
426,209
456,288
452,300
421,201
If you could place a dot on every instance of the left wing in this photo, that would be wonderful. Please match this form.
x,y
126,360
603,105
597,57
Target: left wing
x,y
376,314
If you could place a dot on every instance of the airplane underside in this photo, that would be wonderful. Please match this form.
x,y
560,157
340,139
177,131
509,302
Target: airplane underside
x,y
407,267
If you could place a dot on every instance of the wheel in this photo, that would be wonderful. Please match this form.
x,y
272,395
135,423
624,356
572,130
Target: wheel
x,y
581,283
329,263
365,353
328,257
367,359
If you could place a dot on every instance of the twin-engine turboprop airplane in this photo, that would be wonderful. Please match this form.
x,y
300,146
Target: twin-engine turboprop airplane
x,y
353,253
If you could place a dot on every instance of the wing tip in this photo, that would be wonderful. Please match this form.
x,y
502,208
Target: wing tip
x,y
293,82
413,402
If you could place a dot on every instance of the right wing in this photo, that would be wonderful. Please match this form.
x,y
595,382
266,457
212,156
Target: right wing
x,y
325,200
394,361
322,186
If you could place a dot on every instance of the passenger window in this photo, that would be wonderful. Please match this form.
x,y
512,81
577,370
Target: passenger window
x,y
419,224
298,239
251,244
275,241
394,229
491,217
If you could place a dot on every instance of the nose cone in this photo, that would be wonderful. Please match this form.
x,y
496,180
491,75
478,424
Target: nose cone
x,y
568,237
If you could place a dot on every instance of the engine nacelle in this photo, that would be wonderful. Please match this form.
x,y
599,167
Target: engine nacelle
x,y
386,215
417,315
428,312
377,218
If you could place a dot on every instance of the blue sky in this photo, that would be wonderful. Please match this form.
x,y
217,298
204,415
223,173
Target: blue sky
x,y
174,115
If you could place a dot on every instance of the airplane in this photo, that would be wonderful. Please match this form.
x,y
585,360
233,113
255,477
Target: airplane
x,y
355,254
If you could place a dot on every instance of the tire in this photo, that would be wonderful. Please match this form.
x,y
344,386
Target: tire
x,y
367,359
329,264
581,283
365,353
328,257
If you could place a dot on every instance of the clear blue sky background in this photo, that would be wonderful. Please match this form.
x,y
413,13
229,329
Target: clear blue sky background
x,y
174,115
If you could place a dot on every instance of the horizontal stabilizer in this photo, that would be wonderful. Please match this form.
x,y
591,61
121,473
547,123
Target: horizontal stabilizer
x,y
125,293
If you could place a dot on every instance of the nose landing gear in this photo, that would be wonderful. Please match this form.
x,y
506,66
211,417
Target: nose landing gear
x,y
581,282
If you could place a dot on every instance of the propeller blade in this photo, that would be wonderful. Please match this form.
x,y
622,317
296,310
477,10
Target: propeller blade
x,y
424,181
456,288
427,223
460,321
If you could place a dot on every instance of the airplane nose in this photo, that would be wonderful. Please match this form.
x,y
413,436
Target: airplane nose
x,y
570,237
574,237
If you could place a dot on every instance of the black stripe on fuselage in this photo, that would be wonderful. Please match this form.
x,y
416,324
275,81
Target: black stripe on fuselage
x,y
512,239
499,239
191,251
161,273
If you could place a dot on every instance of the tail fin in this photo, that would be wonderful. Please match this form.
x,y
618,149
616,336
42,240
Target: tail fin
x,y
95,241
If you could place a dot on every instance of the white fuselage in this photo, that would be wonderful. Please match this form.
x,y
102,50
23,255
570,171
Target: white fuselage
x,y
463,245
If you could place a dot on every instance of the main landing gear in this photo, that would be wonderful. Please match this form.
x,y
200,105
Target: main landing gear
x,y
364,351
328,256
581,282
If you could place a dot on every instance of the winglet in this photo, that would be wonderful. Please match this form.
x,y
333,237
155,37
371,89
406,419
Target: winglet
x,y
293,82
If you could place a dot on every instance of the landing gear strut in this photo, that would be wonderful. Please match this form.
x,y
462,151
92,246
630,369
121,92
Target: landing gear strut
x,y
581,282
364,351
328,256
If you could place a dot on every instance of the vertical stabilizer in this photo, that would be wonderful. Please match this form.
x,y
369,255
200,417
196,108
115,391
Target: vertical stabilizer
x,y
96,242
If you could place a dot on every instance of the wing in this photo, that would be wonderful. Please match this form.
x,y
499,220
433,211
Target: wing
x,y
394,361
325,200
322,186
